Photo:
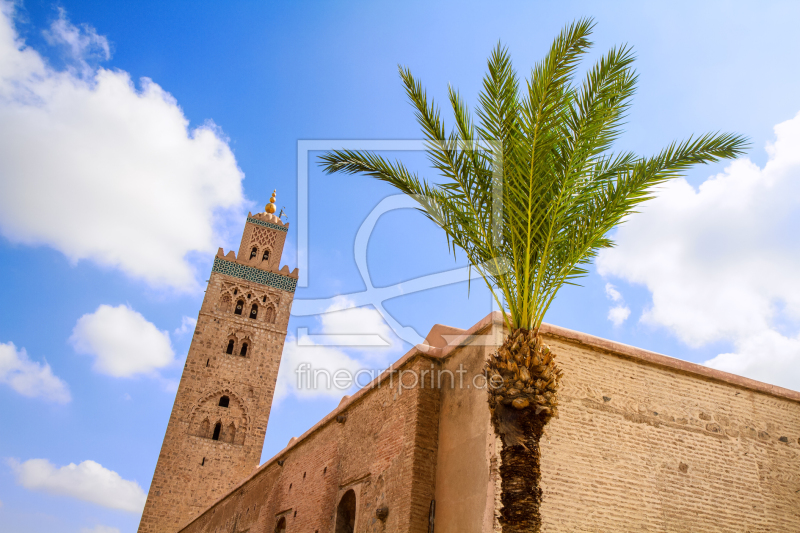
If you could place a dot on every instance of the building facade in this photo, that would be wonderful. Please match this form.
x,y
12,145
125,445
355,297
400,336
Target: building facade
x,y
215,432
643,442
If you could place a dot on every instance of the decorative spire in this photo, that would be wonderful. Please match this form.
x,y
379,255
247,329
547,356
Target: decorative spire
x,y
270,208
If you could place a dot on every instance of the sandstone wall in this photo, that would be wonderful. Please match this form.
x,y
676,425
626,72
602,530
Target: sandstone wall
x,y
643,443
646,447
385,450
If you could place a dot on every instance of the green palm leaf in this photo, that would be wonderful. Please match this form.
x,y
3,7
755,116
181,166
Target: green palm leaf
x,y
532,189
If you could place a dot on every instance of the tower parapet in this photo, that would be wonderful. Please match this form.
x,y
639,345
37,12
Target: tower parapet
x,y
216,430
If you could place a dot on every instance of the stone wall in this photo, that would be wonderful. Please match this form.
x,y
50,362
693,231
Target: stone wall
x,y
216,429
644,442
650,443
382,446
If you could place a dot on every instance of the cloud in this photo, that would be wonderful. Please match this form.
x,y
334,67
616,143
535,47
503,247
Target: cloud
x,y
30,378
82,46
720,261
612,293
354,340
122,341
317,365
767,356
104,171
187,324
619,313
88,481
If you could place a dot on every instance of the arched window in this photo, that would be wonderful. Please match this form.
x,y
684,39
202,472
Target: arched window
x,y
253,252
229,349
346,513
270,316
225,303
264,299
231,433
205,429
254,311
265,256
239,307
280,527
224,401
243,353
235,292
217,429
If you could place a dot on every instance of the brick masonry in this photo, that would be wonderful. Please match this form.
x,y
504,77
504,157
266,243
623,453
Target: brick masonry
x,y
644,442
384,449
199,463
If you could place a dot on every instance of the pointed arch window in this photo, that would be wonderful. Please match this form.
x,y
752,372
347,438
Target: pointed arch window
x,y
231,433
224,401
254,311
253,252
346,513
243,351
239,307
270,315
265,257
217,429
225,303
229,349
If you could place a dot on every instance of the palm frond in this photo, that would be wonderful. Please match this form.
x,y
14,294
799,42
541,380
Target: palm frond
x,y
543,153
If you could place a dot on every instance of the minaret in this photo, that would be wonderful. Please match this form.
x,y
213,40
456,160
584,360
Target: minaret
x,y
216,430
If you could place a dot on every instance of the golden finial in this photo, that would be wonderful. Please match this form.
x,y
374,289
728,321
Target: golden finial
x,y
270,208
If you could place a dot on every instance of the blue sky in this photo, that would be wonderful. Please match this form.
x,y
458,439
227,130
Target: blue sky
x,y
134,138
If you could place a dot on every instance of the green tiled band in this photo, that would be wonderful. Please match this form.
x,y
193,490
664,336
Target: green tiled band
x,y
266,224
284,283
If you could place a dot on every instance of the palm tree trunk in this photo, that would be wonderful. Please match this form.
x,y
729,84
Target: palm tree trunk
x,y
523,378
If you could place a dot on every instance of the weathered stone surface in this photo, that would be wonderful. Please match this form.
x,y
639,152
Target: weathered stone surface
x,y
642,442
193,469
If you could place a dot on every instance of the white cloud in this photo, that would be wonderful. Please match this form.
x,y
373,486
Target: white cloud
x,y
122,341
100,529
619,314
30,378
767,356
334,346
187,324
88,481
612,293
721,261
103,171
322,363
82,45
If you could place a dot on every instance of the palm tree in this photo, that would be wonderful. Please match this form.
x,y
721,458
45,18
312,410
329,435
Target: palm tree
x,y
530,194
